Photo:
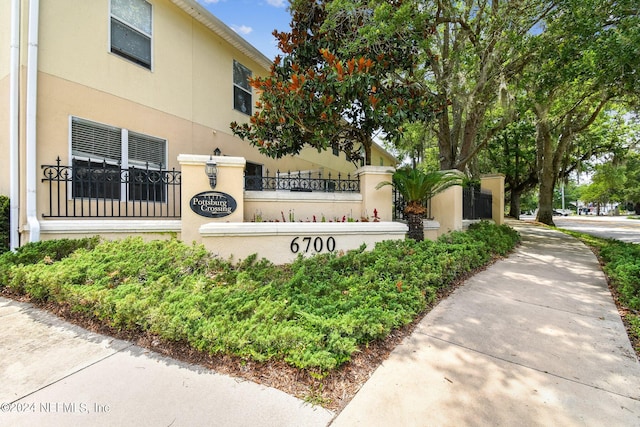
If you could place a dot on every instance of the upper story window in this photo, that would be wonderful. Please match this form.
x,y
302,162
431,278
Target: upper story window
x,y
131,30
241,88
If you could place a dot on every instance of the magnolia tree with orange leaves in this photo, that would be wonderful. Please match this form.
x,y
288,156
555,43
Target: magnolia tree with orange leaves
x,y
327,92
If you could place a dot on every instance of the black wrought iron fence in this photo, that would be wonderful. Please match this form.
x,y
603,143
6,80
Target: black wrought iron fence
x,y
399,204
476,204
89,188
302,181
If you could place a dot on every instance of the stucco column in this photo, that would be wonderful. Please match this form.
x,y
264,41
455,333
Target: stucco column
x,y
230,182
495,184
446,208
376,199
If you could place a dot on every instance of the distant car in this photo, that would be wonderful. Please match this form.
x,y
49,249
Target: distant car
x,y
559,213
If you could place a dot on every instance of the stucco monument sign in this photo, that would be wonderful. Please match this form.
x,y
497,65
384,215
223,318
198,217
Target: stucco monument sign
x,y
213,204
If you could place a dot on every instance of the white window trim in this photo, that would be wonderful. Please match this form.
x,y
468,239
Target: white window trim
x,y
109,15
250,91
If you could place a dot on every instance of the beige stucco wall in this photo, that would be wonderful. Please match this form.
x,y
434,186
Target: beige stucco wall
x,y
191,76
191,67
446,209
110,229
186,98
4,135
280,206
273,205
5,60
189,88
495,184
5,38
373,198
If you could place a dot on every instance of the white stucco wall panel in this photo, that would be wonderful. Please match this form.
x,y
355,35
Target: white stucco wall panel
x,y
282,242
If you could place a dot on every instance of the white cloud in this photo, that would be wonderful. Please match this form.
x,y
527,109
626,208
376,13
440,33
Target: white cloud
x,y
208,1
242,29
277,3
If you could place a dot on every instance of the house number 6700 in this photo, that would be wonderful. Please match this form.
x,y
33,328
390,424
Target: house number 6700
x,y
309,243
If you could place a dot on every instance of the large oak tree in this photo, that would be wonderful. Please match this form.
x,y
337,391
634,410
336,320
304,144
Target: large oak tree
x,y
587,57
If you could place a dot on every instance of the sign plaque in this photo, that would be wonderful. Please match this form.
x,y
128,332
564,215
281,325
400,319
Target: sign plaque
x,y
213,204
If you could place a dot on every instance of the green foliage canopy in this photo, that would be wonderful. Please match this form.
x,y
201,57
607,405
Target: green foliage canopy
x,y
325,91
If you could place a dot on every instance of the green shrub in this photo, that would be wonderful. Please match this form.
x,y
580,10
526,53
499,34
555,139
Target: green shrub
x,y
47,251
314,313
501,239
622,265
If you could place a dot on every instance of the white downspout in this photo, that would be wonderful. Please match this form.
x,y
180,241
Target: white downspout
x,y
14,126
32,108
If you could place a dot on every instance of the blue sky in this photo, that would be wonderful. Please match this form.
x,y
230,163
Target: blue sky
x,y
254,20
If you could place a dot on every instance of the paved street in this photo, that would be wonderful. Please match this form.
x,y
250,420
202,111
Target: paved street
x,y
613,227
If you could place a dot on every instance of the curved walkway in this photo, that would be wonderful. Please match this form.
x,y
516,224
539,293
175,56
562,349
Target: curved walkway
x,y
534,340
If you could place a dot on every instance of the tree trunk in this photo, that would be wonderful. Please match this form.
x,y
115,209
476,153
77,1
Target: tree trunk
x,y
444,141
514,204
416,227
545,153
545,200
471,126
551,153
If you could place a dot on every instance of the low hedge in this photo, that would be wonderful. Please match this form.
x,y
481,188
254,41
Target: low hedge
x,y
313,313
622,265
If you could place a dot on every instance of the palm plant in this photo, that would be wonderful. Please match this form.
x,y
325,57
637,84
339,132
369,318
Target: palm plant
x,y
416,187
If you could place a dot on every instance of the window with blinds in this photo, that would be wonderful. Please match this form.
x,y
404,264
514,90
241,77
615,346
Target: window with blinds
x,y
131,30
146,150
99,151
96,141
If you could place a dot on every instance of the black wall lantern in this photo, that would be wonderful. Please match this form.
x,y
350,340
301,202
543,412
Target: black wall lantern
x,y
212,172
211,169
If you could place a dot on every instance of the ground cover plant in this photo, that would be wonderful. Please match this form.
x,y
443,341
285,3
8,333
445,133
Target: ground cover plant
x,y
314,314
621,263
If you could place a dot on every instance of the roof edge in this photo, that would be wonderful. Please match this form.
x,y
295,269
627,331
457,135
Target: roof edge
x,y
206,18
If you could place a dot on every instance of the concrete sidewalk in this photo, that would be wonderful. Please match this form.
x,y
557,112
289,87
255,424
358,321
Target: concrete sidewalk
x,y
53,373
533,340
